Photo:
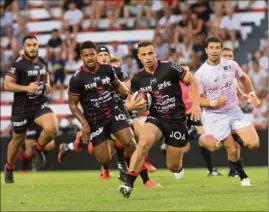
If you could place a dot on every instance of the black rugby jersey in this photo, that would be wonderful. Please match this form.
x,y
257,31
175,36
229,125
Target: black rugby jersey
x,y
164,87
96,92
25,72
122,77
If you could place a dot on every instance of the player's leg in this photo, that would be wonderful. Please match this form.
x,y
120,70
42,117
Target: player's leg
x,y
102,153
249,136
28,153
137,160
212,171
235,160
50,146
18,137
137,125
46,119
105,172
76,145
174,157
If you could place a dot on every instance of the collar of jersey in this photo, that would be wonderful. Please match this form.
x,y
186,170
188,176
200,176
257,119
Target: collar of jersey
x,y
84,68
151,73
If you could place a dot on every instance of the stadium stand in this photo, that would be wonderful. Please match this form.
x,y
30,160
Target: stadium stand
x,y
44,16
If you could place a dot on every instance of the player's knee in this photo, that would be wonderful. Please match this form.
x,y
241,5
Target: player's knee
x,y
50,130
173,167
254,144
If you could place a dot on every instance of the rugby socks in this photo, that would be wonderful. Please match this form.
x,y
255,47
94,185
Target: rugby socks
x,y
10,167
144,175
27,160
39,147
207,157
119,151
106,166
131,177
239,167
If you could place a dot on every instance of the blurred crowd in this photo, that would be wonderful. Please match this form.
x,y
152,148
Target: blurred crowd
x,y
181,41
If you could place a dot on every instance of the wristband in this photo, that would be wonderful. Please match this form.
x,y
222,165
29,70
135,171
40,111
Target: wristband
x,y
213,103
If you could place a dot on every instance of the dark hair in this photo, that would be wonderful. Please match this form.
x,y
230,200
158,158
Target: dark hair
x,y
213,40
54,30
226,49
28,37
87,45
145,43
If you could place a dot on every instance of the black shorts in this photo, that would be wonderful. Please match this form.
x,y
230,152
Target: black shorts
x,y
101,131
33,132
175,135
21,122
193,123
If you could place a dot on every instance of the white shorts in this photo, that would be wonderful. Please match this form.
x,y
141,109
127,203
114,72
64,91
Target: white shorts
x,y
220,125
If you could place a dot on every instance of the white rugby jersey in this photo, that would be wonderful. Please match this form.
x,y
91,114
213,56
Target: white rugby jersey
x,y
216,81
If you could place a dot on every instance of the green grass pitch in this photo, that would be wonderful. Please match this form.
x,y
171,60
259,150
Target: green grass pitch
x,y
84,191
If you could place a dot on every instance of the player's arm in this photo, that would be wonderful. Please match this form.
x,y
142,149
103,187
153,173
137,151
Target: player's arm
x,y
73,105
10,84
247,84
219,102
121,88
47,83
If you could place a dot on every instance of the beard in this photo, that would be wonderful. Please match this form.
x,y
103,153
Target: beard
x,y
29,56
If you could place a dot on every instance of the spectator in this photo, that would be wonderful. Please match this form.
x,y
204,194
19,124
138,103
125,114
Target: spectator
x,y
137,8
230,26
156,11
130,67
69,48
202,9
6,22
59,73
117,50
48,5
54,44
113,11
160,46
184,51
168,23
198,48
196,25
20,30
131,50
97,8
181,28
259,78
214,23
72,18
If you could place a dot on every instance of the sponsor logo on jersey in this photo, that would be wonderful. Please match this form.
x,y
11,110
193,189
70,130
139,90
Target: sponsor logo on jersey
x,y
164,85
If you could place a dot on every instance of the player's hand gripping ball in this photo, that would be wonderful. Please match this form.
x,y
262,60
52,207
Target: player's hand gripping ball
x,y
144,99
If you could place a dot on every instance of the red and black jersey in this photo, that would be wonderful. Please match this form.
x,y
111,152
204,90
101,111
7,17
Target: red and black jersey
x,y
25,72
96,92
163,85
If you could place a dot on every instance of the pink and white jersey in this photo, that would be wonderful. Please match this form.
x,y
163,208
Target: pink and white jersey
x,y
216,81
186,96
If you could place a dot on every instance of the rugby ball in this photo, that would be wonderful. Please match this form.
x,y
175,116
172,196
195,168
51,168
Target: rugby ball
x,y
145,96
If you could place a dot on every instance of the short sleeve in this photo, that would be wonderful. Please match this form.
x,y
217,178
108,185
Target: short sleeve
x,y
75,87
237,69
14,71
134,84
112,74
179,70
198,76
